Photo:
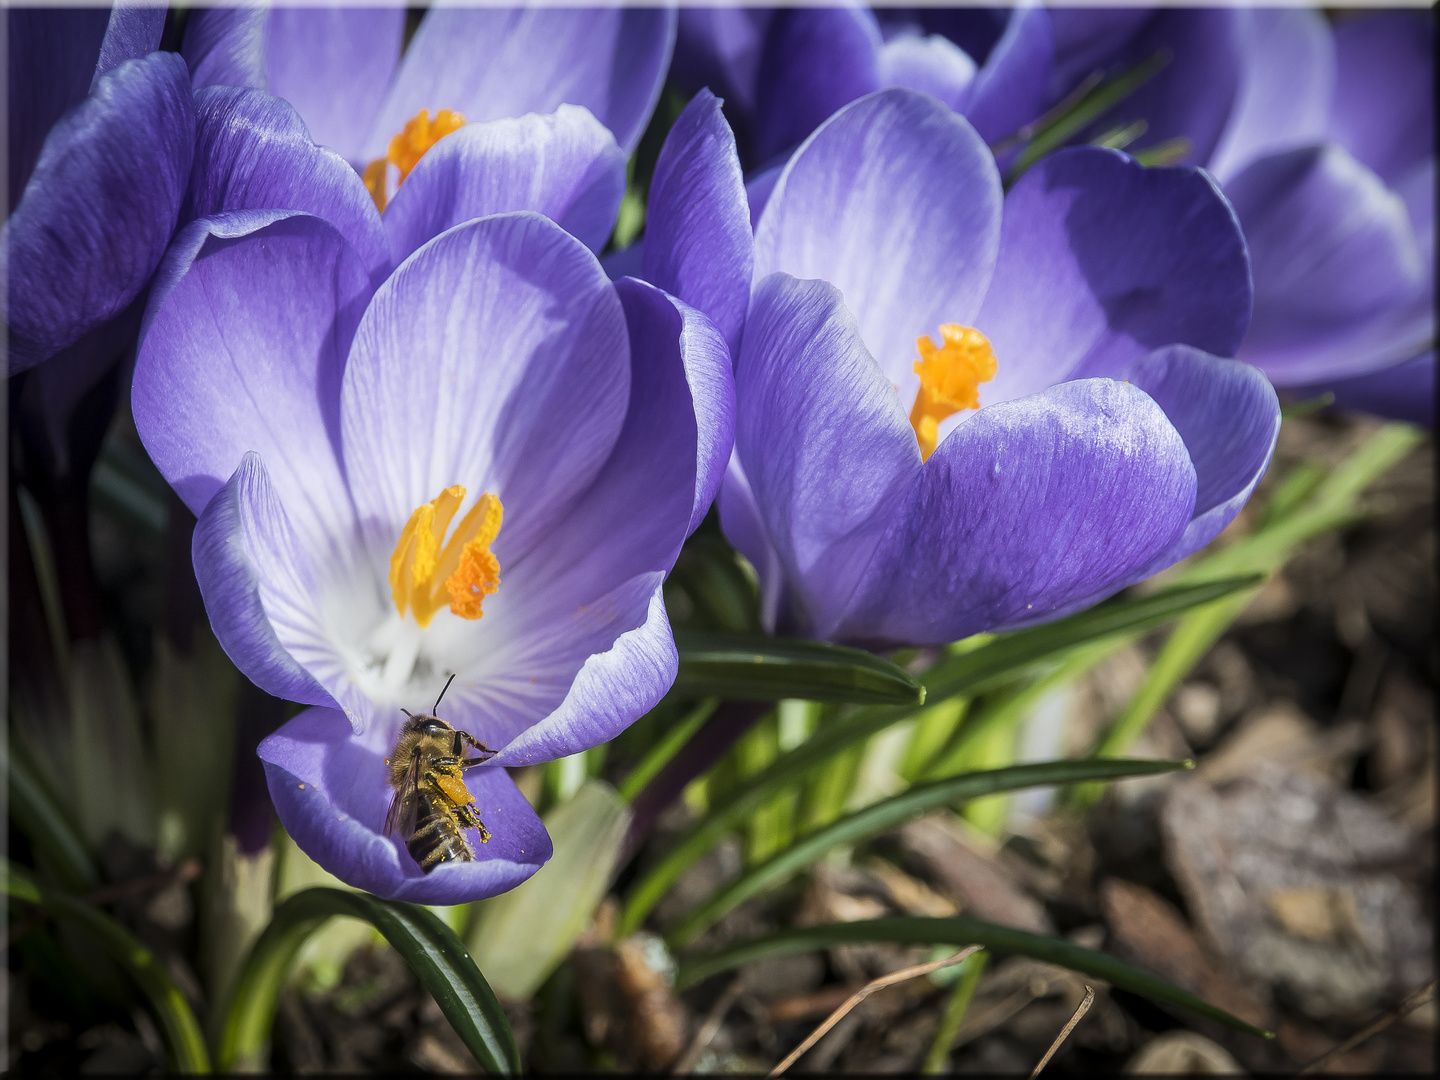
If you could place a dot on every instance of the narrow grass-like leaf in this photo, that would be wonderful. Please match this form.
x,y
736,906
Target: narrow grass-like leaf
x,y
184,1039
755,667
1303,505
985,667
665,748
959,930
1087,110
890,813
49,830
426,944
1008,655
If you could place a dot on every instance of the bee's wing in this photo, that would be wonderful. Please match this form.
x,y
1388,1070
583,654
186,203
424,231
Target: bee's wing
x,y
406,803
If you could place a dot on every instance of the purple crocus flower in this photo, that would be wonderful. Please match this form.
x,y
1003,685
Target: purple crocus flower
x,y
1323,140
1087,312
483,464
786,71
343,70
100,141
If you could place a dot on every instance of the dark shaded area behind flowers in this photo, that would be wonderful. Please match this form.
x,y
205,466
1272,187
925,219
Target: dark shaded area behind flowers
x,y
1312,724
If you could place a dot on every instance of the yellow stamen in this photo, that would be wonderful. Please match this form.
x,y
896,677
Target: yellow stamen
x,y
950,377
407,148
424,576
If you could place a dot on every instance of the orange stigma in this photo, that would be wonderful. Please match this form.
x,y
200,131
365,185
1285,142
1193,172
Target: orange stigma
x,y
950,378
424,576
407,148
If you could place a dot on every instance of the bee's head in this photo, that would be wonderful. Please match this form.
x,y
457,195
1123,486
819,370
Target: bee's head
x,y
432,725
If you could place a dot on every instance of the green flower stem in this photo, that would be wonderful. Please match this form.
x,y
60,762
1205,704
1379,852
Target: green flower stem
x,y
955,1010
184,1040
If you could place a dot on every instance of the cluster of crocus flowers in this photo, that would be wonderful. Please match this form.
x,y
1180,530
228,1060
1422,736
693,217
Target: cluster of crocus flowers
x,y
1088,314
426,435
1323,139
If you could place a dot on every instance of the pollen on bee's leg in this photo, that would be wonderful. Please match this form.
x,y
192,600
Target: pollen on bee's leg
x,y
950,378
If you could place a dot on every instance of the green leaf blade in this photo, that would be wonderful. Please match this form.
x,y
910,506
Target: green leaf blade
x,y
890,813
960,930
756,667
427,945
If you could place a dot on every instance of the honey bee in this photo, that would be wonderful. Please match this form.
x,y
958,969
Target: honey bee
x,y
432,806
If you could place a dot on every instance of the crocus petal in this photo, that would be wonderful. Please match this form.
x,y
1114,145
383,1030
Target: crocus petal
x,y
668,460
1384,111
252,152
244,347
1101,261
498,356
815,61
330,791
1087,38
259,586
335,66
1192,97
1013,87
225,46
1341,287
50,56
698,243
861,206
758,190
613,689
822,439
720,48
564,165
929,64
134,29
1403,392
99,207
1027,507
1286,85
489,64
1229,417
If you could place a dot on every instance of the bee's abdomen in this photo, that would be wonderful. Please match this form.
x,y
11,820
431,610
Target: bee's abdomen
x,y
437,838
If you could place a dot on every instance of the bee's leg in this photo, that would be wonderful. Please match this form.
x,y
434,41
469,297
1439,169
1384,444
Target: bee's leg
x,y
468,815
476,743
470,763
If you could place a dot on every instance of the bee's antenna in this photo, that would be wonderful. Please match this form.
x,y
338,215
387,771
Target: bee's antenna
x,y
448,681
407,712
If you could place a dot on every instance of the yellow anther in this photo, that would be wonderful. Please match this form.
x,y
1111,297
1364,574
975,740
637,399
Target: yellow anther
x,y
950,378
407,148
424,576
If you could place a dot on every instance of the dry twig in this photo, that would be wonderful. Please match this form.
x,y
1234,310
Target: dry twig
x,y
1412,1002
1065,1031
904,975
